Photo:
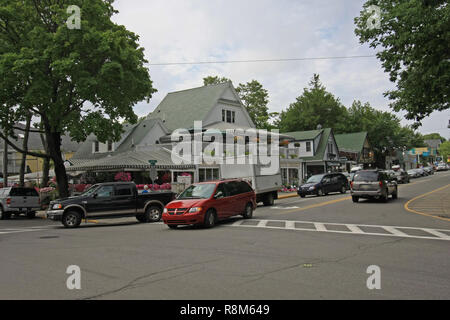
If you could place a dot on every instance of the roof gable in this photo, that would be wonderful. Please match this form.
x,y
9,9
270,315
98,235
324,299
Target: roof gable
x,y
180,109
304,135
352,142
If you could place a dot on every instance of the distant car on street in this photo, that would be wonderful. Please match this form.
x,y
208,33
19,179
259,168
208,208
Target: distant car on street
x,y
208,202
442,167
373,184
402,176
17,201
323,184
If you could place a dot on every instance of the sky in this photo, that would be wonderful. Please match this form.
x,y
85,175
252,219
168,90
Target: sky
x,y
219,30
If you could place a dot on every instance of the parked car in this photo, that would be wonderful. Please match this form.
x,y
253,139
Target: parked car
x,y
19,201
402,176
110,200
324,184
442,167
429,170
208,202
373,184
422,172
413,174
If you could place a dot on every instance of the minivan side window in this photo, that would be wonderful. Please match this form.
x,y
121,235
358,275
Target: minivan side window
x,y
244,187
233,188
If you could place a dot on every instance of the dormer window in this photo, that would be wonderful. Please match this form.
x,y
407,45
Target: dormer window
x,y
96,146
308,146
229,116
110,146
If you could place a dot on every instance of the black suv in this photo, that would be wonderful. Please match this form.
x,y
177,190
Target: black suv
x,y
324,184
373,184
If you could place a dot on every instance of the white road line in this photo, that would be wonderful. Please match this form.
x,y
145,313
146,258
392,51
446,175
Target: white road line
x,y
437,233
320,227
354,229
238,223
395,231
290,225
262,223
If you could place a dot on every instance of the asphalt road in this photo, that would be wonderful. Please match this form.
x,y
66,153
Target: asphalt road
x,y
313,248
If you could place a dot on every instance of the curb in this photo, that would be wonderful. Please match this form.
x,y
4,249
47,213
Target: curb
x,y
294,195
407,208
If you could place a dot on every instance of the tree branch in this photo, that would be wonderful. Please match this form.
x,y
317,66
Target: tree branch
x,y
28,153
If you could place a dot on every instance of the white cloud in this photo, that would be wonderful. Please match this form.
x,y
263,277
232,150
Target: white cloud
x,y
211,30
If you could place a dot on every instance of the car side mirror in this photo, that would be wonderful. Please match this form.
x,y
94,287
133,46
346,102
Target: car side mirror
x,y
218,195
95,196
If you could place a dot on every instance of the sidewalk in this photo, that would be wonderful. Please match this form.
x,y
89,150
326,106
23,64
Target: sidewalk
x,y
435,204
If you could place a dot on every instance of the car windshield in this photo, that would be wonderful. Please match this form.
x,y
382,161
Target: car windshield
x,y
366,176
198,191
315,179
89,191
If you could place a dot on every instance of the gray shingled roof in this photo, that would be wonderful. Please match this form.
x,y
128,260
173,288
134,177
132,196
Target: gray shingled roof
x,y
129,160
180,109
35,143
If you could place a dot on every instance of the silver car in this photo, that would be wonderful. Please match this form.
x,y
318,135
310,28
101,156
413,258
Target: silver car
x,y
19,201
373,184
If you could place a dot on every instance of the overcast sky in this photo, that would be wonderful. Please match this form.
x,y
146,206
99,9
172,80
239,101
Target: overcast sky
x,y
217,30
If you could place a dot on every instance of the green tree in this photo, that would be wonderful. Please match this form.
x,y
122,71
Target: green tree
x,y
79,81
444,150
384,130
255,98
434,136
413,37
314,107
211,80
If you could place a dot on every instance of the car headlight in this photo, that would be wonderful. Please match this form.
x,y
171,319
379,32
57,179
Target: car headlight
x,y
195,210
165,210
57,206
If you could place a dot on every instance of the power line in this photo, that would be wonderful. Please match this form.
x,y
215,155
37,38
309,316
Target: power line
x,y
259,60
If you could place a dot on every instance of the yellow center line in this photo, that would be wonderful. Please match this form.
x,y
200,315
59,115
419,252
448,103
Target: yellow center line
x,y
407,208
317,205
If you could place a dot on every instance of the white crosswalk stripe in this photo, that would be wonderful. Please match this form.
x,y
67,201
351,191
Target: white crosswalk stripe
x,y
354,229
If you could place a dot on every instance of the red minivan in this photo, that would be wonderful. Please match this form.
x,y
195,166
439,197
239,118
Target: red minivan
x,y
208,202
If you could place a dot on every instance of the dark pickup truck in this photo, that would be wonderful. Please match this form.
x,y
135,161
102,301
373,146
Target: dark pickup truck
x,y
110,200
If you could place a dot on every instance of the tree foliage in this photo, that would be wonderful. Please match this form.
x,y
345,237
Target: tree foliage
x,y
414,39
434,136
316,106
211,80
255,98
79,81
444,150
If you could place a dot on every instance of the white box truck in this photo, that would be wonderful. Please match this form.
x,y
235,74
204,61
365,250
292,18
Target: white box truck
x,y
265,186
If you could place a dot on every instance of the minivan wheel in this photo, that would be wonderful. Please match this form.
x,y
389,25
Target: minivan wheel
x,y
355,199
343,190
248,214
153,214
320,193
210,219
71,219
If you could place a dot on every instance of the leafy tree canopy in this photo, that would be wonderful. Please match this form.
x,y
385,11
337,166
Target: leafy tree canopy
x,y
79,81
414,39
316,106
434,136
211,80
444,150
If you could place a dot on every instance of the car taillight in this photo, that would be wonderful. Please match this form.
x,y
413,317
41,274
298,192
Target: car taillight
x,y
351,185
381,184
8,201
